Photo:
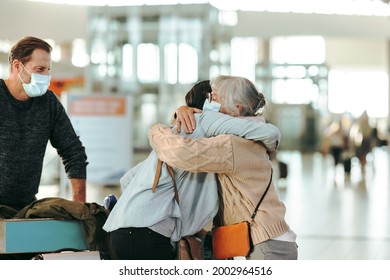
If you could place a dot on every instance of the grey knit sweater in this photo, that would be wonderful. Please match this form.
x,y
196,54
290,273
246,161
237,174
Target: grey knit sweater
x,y
25,129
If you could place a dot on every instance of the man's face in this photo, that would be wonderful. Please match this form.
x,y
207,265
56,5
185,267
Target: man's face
x,y
39,63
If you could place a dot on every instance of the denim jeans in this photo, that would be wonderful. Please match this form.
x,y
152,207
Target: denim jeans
x,y
140,244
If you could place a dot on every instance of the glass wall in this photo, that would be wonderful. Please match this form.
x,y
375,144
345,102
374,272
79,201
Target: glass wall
x,y
307,86
156,54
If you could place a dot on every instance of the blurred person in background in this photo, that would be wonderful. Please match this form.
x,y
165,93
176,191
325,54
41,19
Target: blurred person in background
x,y
338,137
362,138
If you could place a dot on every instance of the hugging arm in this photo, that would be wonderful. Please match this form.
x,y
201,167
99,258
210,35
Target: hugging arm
x,y
214,123
213,155
184,117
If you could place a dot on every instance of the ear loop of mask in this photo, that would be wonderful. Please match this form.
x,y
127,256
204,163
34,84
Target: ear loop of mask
x,y
24,67
209,97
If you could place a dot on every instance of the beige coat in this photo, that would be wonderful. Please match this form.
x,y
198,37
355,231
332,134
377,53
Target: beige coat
x,y
243,168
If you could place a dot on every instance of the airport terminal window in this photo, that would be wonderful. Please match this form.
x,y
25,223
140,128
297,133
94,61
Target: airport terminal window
x,y
180,62
102,70
294,91
188,64
229,18
98,51
290,72
170,63
80,57
297,69
355,91
148,63
244,62
56,52
220,58
127,58
298,50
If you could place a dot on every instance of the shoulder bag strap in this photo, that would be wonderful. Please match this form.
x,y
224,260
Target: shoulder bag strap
x,y
261,199
170,170
157,177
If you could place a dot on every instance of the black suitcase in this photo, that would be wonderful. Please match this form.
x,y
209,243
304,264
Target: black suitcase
x,y
283,169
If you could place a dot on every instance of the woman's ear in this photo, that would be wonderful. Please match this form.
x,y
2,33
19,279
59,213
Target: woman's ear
x,y
239,108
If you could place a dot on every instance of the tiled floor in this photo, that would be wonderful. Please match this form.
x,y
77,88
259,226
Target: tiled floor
x,y
336,217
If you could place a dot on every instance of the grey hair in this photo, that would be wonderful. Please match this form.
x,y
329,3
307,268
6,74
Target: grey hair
x,y
234,90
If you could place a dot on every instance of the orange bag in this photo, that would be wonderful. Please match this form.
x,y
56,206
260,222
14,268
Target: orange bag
x,y
232,241
235,240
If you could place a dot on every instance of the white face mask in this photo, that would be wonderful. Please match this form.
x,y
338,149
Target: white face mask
x,y
38,85
209,104
213,106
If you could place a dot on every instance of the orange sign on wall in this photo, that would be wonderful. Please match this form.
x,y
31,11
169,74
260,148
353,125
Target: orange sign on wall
x,y
58,86
95,106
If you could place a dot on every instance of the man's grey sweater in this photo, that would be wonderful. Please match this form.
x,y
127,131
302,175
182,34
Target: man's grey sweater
x,y
25,129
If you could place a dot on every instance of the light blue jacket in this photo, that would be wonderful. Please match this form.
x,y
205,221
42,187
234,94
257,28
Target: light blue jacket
x,y
138,206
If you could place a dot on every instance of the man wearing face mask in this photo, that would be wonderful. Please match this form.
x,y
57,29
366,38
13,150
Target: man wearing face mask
x,y
30,116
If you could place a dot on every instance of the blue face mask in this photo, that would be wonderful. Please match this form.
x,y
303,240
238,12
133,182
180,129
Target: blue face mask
x,y
38,85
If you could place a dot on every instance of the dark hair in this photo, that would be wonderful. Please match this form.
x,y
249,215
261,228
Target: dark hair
x,y
23,49
197,95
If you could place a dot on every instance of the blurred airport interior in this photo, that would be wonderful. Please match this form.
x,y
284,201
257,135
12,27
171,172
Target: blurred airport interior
x,y
323,66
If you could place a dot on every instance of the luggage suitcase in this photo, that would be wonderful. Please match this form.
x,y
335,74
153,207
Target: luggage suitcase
x,y
283,169
40,236
70,255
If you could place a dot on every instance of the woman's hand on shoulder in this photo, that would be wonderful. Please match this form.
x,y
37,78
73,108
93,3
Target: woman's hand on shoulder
x,y
185,117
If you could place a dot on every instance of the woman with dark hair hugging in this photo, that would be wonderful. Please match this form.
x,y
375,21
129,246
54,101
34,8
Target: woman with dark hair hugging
x,y
147,225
